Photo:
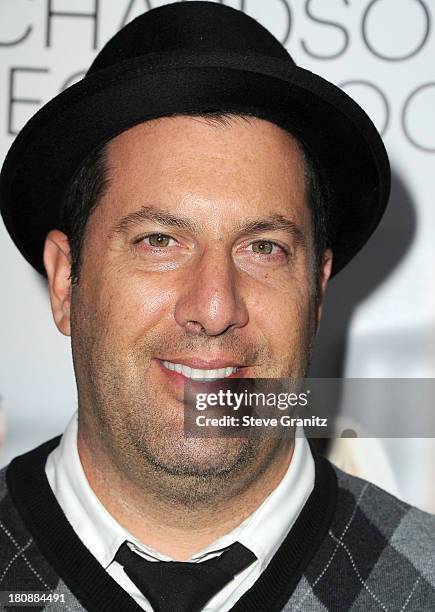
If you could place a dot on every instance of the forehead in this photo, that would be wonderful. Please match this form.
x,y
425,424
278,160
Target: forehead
x,y
203,166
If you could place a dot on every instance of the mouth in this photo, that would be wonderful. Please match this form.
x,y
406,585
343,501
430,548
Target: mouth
x,y
201,374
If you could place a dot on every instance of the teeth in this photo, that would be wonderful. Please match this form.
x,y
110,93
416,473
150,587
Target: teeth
x,y
197,374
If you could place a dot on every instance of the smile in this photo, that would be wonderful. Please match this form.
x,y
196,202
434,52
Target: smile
x,y
198,374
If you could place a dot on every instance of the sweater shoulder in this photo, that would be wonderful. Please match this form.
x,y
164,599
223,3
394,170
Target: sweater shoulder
x,y
3,487
23,565
379,553
378,515
381,506
10,522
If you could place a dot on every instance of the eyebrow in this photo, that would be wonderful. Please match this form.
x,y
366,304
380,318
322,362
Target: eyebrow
x,y
273,222
149,213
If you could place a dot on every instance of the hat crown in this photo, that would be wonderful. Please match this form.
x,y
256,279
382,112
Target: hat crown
x,y
189,26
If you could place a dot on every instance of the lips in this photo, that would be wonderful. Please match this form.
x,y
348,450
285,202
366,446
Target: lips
x,y
200,374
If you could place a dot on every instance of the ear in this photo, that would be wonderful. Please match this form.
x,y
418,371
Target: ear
x,y
57,263
325,273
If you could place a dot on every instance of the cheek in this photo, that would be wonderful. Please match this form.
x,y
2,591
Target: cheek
x,y
282,316
129,306
142,305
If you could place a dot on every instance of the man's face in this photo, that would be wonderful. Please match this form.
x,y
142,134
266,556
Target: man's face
x,y
199,254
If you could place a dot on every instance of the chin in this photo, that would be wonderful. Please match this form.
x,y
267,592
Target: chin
x,y
199,457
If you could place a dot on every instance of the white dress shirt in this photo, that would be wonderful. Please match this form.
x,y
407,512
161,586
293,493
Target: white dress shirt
x,y
262,532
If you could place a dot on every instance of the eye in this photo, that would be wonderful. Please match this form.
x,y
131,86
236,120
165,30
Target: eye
x,y
158,240
264,247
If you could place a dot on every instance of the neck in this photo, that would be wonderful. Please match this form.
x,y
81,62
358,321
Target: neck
x,y
168,527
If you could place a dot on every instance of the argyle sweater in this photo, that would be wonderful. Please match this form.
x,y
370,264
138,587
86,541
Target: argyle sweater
x,y
353,547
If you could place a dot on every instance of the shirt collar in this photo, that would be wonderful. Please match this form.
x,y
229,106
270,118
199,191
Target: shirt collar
x,y
97,529
262,532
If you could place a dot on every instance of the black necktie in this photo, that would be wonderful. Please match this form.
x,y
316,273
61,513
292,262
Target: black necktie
x,y
173,586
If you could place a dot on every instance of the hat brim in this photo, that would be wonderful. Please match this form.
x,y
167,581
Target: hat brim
x,y
337,132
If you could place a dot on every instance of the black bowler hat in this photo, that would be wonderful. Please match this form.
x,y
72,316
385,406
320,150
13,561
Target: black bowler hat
x,y
184,57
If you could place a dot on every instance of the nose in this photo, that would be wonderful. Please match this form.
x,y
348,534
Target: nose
x,y
210,300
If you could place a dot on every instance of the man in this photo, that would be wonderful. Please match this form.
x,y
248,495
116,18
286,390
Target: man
x,y
188,202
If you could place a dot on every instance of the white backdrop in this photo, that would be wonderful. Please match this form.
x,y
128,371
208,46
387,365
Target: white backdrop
x,y
380,312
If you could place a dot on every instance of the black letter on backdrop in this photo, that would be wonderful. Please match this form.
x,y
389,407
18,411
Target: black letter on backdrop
x,y
284,40
405,112
330,23
13,99
285,3
18,40
242,7
74,78
126,17
52,13
401,57
381,94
